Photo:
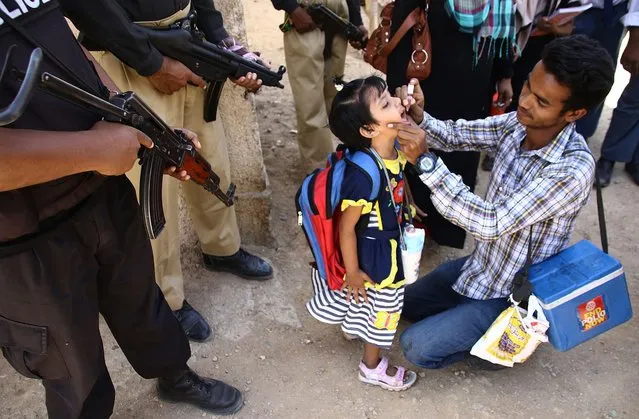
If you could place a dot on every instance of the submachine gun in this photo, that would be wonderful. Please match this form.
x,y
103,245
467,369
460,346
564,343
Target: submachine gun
x,y
184,42
332,22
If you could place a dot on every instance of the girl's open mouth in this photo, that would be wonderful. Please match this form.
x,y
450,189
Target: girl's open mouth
x,y
404,116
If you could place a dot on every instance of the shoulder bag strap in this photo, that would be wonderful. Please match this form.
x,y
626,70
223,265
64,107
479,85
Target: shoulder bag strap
x,y
410,21
602,216
522,288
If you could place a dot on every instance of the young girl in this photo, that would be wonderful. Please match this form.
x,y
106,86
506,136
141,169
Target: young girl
x,y
370,303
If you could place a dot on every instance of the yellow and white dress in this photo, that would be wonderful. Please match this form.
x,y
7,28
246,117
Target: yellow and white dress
x,y
379,256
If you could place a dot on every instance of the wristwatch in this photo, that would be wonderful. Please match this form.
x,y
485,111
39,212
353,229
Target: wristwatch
x,y
426,163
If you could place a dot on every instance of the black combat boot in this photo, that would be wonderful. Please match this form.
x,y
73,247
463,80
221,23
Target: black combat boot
x,y
207,394
242,264
194,325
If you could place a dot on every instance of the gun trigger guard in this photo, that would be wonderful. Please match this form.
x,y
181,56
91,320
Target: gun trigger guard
x,y
186,147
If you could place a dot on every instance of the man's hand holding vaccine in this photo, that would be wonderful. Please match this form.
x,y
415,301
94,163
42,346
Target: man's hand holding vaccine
x,y
411,137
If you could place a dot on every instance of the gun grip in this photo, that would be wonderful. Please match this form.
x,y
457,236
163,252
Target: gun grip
x,y
151,194
212,99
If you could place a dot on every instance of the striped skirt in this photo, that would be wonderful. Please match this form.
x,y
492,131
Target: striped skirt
x,y
374,322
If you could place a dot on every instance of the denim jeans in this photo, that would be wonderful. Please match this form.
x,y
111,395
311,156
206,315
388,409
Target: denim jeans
x,y
622,138
447,324
591,23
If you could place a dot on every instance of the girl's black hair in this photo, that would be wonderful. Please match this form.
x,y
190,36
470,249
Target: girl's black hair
x,y
351,111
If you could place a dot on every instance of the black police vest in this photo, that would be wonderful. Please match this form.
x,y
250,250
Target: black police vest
x,y
22,211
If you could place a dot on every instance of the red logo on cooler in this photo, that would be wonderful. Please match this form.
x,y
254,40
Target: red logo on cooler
x,y
592,313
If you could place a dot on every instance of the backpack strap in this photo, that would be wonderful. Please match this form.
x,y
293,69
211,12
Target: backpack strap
x,y
366,161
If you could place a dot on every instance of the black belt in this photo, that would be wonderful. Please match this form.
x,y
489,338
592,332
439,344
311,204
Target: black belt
x,y
49,227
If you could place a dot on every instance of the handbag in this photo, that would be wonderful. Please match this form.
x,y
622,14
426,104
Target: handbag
x,y
380,45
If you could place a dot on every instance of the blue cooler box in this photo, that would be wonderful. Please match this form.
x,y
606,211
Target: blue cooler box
x,y
583,293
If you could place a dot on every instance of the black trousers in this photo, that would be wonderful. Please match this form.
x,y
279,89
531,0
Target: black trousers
x,y
54,287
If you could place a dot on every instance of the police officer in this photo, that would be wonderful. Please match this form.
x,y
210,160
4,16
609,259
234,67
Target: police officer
x,y
73,245
311,74
176,94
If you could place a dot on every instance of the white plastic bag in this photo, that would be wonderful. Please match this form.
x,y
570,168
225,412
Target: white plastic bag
x,y
514,336
536,325
412,254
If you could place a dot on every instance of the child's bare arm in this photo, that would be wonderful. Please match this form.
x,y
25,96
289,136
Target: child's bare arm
x,y
355,279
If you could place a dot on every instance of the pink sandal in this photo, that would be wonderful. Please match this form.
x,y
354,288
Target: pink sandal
x,y
402,380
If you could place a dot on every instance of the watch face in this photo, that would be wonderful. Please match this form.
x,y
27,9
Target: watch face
x,y
427,163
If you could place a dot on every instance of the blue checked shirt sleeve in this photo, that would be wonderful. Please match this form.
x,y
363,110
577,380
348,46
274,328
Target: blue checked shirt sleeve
x,y
553,193
462,135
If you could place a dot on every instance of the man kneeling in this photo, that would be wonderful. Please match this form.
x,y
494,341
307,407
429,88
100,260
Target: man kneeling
x,y
542,177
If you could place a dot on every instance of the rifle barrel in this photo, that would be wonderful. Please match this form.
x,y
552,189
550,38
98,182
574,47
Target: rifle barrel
x,y
67,91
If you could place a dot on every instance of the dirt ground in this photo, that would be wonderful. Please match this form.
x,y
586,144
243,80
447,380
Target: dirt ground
x,y
291,366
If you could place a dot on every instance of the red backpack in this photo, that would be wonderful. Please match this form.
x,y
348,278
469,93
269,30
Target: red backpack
x,y
318,209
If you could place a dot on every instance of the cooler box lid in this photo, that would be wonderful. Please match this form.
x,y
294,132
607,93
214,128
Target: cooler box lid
x,y
572,269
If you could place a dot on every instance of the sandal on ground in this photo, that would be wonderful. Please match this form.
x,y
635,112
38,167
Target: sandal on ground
x,y
402,380
349,336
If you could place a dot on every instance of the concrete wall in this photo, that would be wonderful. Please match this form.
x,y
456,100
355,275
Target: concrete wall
x,y
239,118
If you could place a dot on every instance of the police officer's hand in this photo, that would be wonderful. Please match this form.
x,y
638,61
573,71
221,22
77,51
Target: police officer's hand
x,y
182,174
250,82
358,44
232,44
302,21
630,56
173,75
259,59
119,146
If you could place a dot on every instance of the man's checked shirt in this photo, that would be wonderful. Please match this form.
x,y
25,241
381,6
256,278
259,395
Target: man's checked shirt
x,y
544,188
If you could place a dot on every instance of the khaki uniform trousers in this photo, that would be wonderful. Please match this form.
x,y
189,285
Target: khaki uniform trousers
x,y
311,79
215,224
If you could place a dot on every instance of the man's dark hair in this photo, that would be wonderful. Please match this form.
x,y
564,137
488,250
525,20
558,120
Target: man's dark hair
x,y
582,65
350,110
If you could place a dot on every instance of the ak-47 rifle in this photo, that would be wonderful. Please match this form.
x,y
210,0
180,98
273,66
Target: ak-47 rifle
x,y
170,147
184,42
